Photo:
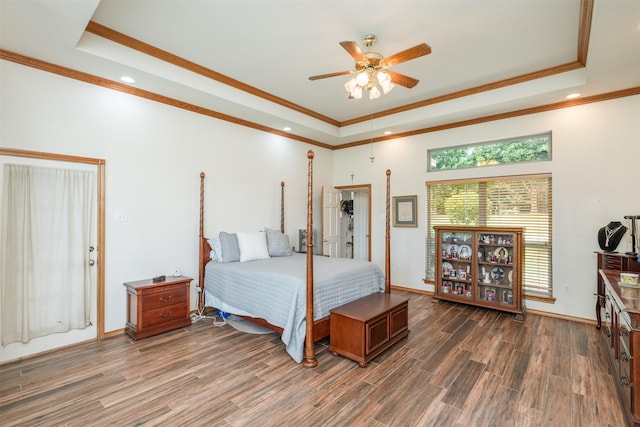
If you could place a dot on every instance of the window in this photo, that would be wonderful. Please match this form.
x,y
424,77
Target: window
x,y
518,201
515,150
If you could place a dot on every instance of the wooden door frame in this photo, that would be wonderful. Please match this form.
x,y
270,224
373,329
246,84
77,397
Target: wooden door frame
x,y
361,187
100,164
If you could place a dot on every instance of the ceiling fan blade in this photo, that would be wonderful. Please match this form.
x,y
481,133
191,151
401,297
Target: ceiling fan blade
x,y
354,51
406,55
401,79
324,76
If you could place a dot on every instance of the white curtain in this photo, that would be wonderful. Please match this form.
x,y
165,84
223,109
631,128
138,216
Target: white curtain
x,y
361,225
47,226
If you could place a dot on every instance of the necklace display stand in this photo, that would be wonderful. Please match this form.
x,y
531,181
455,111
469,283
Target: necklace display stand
x,y
610,235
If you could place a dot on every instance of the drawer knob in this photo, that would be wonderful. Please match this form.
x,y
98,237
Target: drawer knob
x,y
624,357
166,300
165,316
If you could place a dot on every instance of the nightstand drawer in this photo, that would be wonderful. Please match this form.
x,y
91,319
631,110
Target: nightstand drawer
x,y
169,296
163,314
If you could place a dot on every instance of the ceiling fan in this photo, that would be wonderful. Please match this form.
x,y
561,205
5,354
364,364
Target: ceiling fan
x,y
372,67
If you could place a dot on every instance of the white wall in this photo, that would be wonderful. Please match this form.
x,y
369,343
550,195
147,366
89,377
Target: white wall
x,y
154,155
596,178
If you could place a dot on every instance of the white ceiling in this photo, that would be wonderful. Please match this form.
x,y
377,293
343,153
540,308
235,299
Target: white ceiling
x,y
274,46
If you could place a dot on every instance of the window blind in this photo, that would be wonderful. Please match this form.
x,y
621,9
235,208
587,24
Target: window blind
x,y
516,201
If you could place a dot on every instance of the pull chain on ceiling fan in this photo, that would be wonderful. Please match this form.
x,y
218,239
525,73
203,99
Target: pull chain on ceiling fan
x,y
371,68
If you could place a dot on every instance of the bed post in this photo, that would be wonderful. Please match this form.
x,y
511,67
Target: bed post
x,y
282,206
310,360
387,245
201,243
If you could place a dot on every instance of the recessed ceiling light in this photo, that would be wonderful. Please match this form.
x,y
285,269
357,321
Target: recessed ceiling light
x,y
573,96
286,128
127,79
388,132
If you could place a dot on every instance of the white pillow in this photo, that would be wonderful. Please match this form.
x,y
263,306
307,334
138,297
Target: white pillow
x,y
253,245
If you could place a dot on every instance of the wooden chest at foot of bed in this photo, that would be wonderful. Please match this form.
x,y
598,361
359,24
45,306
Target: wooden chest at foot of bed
x,y
364,328
157,307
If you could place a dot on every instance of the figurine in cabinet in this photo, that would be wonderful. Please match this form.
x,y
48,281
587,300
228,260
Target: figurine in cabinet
x,y
464,252
502,255
507,296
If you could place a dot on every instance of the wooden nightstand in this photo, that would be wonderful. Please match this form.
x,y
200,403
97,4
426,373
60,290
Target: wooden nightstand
x,y
154,308
364,328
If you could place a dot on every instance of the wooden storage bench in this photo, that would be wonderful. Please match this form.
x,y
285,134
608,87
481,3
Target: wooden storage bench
x,y
364,328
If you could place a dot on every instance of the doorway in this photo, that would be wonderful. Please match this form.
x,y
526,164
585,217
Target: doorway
x,y
355,222
95,277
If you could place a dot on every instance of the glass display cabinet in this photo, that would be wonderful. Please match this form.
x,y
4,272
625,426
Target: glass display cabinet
x,y
480,266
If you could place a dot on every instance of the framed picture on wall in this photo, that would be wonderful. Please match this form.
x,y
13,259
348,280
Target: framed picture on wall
x,y
405,211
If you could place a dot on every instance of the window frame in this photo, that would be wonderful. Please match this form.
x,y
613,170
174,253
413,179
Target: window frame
x,y
504,141
541,294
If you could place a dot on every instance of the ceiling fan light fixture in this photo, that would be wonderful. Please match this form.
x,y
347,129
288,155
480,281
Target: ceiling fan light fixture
x,y
350,85
370,68
363,78
387,86
374,93
383,78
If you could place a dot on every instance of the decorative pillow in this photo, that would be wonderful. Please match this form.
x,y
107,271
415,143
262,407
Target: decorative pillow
x,y
253,245
277,243
230,248
216,250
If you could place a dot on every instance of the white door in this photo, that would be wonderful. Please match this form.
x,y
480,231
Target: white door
x,y
331,222
48,342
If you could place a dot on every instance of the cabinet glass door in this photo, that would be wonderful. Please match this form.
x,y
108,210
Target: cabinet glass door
x,y
457,251
496,268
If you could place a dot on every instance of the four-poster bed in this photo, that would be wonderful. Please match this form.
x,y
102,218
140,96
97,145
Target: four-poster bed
x,y
250,288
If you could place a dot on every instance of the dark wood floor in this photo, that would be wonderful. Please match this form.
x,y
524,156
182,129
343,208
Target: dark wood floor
x,y
460,366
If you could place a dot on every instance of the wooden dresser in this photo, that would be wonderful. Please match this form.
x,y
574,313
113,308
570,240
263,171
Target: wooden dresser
x,y
618,312
364,328
157,307
611,261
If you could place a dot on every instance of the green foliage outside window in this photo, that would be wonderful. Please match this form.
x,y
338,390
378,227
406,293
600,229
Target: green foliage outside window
x,y
524,149
462,208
